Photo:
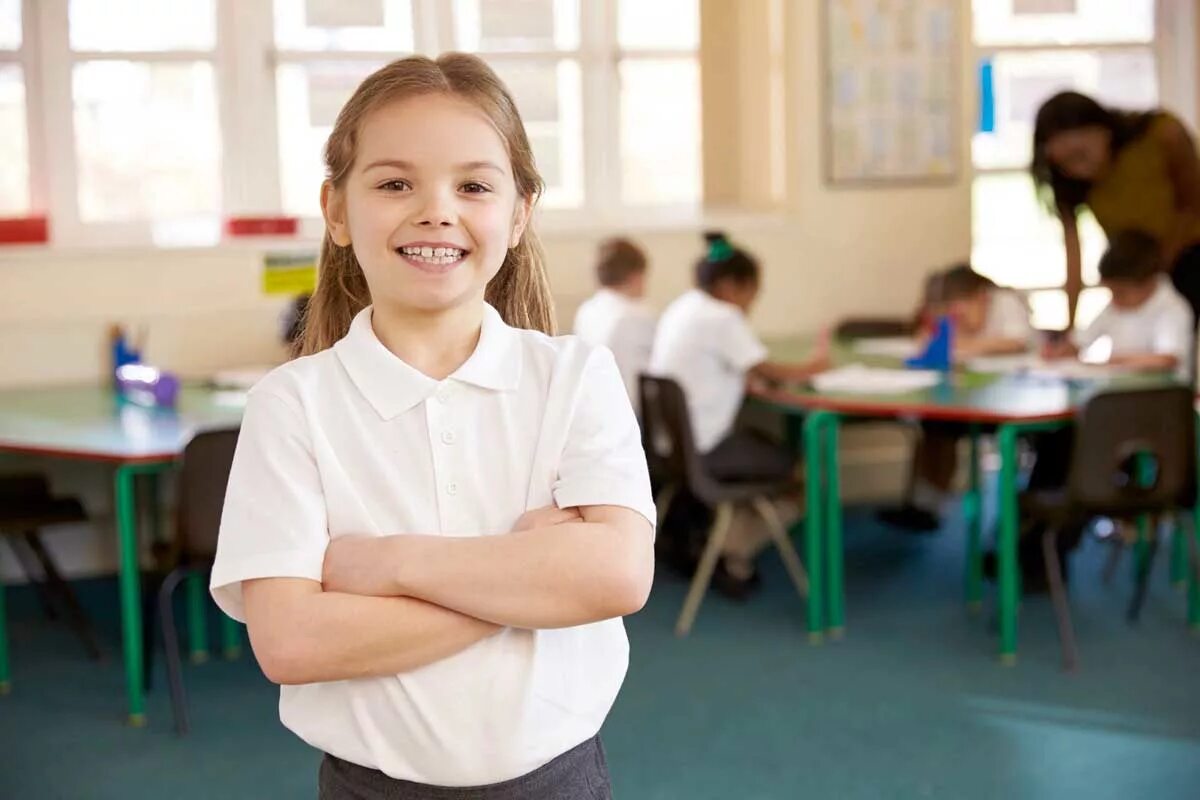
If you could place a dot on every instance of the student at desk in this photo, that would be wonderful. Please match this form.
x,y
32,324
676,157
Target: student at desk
x,y
705,343
988,320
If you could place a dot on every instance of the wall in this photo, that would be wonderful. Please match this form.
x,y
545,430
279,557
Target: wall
x,y
827,253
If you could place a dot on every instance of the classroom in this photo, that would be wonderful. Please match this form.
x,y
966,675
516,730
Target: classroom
x,y
555,399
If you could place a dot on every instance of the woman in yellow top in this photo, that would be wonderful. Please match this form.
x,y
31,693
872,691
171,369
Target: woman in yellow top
x,y
1135,171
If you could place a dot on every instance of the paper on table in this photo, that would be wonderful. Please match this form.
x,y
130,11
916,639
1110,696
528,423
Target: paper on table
x,y
860,379
889,346
1035,366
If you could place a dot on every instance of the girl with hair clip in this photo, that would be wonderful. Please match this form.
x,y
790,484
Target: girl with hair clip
x,y
705,343
439,512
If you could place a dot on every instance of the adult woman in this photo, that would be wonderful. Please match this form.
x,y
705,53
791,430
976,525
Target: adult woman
x,y
1134,171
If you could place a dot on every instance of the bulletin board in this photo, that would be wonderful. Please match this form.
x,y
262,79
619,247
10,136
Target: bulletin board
x,y
889,100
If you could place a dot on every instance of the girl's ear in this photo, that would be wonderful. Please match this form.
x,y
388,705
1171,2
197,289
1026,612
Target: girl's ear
x,y
521,217
333,207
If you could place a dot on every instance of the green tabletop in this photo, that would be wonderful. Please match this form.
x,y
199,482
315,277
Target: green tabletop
x,y
92,422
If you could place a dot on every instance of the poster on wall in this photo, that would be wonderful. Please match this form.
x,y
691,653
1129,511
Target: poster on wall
x,y
891,69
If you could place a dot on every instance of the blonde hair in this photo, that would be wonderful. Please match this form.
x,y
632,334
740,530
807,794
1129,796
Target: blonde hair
x,y
520,290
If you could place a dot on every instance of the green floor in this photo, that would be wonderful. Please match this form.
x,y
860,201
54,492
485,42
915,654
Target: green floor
x,y
912,704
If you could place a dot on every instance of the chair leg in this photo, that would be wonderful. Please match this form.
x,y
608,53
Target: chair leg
x,y
1058,594
34,576
170,637
1116,550
75,616
663,502
787,551
704,570
1145,562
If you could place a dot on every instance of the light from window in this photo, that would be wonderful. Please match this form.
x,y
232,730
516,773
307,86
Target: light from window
x,y
660,131
146,140
1018,22
138,26
308,99
548,95
658,25
324,25
14,142
10,24
1048,308
494,26
1023,80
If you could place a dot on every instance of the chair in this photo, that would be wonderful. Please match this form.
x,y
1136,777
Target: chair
x,y
667,438
873,327
27,506
1134,454
202,480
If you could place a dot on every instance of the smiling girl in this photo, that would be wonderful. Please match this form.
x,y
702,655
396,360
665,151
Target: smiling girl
x,y
438,514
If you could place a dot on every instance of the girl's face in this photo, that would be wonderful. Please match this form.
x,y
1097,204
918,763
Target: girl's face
x,y
740,293
970,312
1081,154
430,204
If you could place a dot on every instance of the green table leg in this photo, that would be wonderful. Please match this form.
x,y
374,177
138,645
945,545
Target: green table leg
x,y
973,516
1179,552
130,587
197,619
5,678
231,637
813,528
1006,547
1141,548
834,549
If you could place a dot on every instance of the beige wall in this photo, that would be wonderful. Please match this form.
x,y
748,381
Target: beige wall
x,y
826,253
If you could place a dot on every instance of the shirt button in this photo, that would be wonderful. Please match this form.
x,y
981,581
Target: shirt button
x,y
448,437
452,488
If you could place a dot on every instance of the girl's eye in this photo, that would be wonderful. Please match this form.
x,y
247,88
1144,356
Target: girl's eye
x,y
474,188
395,185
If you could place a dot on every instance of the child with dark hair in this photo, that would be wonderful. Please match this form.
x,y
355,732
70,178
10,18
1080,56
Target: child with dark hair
x,y
616,316
706,344
1147,324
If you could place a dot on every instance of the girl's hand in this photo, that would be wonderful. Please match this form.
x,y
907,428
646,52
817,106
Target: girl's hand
x,y
545,517
363,565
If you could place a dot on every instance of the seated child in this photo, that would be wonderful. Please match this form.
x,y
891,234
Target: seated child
x,y
615,315
988,320
706,344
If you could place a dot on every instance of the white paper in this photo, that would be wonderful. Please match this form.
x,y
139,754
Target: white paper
x,y
1035,366
859,379
890,347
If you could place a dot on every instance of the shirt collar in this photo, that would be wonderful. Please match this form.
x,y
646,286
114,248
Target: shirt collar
x,y
392,386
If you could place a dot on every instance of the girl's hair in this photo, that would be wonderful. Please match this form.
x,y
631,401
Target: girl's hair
x,y
958,282
723,261
520,291
618,261
1068,111
1132,255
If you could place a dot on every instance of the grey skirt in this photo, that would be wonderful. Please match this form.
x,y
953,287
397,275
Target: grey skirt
x,y
581,773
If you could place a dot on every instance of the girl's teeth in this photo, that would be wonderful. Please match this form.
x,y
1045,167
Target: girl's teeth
x,y
427,252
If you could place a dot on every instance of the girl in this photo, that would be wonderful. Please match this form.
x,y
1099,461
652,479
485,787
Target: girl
x,y
437,516
1133,171
705,343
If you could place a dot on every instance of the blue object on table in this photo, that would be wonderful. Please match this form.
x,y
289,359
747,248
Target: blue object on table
x,y
938,350
147,386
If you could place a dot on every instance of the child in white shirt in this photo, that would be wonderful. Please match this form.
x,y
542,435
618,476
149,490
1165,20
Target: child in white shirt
x,y
616,316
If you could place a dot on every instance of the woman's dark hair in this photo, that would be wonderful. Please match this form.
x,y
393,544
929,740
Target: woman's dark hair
x,y
723,261
1133,256
1068,111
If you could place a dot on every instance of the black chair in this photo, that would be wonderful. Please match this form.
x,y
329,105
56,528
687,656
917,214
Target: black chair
x,y
667,439
1134,453
27,506
203,477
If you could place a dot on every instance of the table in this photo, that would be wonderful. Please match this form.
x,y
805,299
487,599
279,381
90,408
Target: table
x,y
91,423
1012,405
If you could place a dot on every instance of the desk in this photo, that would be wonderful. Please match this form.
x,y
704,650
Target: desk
x,y
1012,405
93,424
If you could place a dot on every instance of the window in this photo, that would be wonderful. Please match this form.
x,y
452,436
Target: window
x,y
1029,50
153,121
14,131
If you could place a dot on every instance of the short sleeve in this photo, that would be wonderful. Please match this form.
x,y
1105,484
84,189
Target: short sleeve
x,y
1012,316
602,462
739,345
274,523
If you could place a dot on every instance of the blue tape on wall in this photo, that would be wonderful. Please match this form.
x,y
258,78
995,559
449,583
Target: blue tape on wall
x,y
987,97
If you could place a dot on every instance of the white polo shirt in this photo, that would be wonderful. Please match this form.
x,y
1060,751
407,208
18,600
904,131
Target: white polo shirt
x,y
623,325
707,346
353,440
1162,325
